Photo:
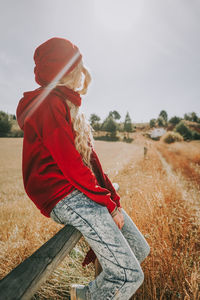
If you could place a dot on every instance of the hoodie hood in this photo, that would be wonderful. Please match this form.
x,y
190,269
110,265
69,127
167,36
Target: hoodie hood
x,y
25,105
32,100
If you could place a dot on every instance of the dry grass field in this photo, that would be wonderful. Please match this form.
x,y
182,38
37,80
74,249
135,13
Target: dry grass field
x,y
161,193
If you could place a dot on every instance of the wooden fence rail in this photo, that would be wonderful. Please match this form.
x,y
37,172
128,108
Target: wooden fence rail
x,y
23,281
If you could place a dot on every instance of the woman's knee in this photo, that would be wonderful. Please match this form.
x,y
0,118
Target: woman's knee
x,y
135,285
140,277
131,272
132,281
135,275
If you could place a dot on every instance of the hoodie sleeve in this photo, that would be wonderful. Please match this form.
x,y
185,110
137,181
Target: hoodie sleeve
x,y
59,140
103,178
114,195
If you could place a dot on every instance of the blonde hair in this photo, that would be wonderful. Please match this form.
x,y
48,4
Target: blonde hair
x,y
84,141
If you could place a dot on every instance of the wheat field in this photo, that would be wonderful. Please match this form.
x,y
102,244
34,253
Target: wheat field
x,y
161,193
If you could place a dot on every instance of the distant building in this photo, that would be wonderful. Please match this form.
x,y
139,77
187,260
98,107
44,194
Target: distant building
x,y
156,133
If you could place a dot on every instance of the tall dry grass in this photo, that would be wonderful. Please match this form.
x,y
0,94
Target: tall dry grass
x,y
158,206
154,197
185,158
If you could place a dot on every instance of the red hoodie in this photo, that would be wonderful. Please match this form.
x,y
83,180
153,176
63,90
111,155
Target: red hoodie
x,y
52,167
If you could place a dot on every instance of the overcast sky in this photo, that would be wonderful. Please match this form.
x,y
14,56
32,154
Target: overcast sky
x,y
143,55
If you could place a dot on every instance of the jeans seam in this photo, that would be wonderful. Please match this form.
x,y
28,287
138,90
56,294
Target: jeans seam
x,y
116,264
119,288
57,216
99,237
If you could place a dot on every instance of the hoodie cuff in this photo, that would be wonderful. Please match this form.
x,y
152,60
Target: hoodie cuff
x,y
111,206
116,199
118,203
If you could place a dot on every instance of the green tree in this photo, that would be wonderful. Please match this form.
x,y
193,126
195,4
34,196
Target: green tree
x,y
152,123
161,122
116,115
94,118
195,135
185,131
174,120
194,117
5,124
94,121
187,117
128,123
110,125
164,115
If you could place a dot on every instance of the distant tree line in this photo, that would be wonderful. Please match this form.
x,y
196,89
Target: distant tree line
x,y
162,120
179,125
111,125
6,123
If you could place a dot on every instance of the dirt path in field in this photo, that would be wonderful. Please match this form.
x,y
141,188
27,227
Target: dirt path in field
x,y
115,159
188,190
114,156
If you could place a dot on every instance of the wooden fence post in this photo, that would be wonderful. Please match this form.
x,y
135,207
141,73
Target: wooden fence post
x,y
23,281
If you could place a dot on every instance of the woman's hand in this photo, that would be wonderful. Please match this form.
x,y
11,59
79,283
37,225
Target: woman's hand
x,y
119,218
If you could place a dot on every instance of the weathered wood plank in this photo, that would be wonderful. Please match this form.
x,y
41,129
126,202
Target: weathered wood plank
x,y
23,281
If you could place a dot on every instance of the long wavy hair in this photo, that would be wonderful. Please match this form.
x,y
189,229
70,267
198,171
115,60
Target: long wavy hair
x,y
78,80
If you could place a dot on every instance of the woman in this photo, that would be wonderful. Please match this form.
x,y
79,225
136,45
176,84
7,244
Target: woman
x,y
64,178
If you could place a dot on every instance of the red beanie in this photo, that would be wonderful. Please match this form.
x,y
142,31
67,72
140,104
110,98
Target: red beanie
x,y
51,57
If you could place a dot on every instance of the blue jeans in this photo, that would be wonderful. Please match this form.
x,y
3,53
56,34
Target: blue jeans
x,y
119,252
